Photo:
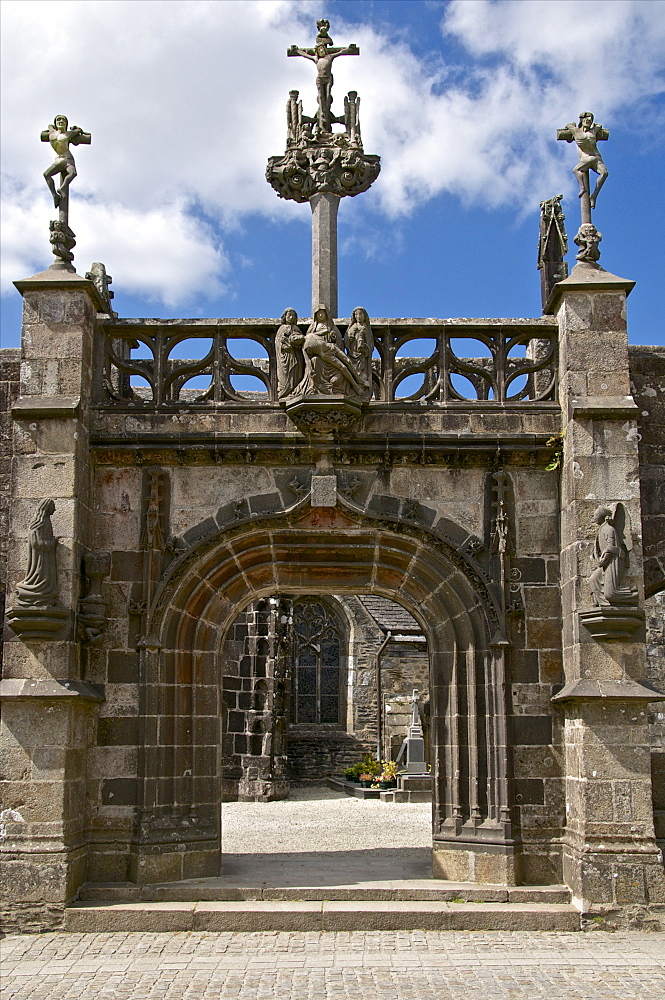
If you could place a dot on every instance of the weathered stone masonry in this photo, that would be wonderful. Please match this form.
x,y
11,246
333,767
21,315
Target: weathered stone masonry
x,y
113,744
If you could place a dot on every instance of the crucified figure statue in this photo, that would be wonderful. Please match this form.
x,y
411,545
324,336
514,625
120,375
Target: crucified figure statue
x,y
60,136
586,134
322,55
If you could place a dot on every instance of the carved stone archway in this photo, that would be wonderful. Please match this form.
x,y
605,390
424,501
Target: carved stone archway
x,y
327,551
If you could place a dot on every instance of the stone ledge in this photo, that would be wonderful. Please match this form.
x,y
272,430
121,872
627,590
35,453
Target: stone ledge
x,y
28,407
17,688
590,690
590,407
61,278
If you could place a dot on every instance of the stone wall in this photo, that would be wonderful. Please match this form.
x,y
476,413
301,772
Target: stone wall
x,y
647,380
655,621
10,362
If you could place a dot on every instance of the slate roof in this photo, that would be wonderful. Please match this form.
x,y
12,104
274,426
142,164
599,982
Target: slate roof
x,y
390,616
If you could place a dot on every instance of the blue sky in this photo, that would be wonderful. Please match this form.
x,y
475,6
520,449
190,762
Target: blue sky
x,y
461,100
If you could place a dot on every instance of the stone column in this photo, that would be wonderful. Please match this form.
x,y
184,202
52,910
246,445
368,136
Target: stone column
x,y
324,251
610,855
47,708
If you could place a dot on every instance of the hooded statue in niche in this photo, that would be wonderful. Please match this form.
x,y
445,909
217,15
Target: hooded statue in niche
x,y
39,588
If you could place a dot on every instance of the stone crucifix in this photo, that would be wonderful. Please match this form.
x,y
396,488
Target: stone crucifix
x,y
322,56
61,137
322,166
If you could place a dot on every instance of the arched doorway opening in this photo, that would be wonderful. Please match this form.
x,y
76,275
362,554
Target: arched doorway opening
x,y
343,669
326,552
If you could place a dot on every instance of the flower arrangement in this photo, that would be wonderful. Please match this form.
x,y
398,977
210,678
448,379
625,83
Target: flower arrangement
x,y
389,770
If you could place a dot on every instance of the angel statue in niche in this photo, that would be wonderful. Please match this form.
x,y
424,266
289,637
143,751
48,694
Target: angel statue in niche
x,y
611,553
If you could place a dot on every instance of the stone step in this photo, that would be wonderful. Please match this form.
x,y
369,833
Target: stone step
x,y
430,890
322,915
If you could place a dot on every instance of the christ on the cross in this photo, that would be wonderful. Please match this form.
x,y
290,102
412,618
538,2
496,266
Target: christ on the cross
x,y
322,55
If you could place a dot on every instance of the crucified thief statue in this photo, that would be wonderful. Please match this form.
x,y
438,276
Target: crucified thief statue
x,y
586,134
323,55
60,136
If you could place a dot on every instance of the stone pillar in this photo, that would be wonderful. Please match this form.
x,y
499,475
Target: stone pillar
x,y
324,251
610,855
47,708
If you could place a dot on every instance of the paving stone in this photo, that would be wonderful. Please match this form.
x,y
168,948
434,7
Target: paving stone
x,y
323,965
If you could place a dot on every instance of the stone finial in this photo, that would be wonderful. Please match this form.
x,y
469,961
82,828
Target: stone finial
x,y
552,245
62,137
101,280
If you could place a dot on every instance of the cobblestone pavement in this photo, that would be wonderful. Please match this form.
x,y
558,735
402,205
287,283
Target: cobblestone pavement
x,y
405,965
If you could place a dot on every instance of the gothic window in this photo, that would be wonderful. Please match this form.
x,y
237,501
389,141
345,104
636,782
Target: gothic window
x,y
316,659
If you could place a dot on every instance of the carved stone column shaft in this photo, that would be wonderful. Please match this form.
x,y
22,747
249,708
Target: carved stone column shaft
x,y
324,251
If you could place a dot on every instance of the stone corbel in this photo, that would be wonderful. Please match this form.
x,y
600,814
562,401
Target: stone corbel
x,y
334,414
611,623
586,689
92,608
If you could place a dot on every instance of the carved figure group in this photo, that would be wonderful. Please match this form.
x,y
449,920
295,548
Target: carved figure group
x,y
314,363
314,169
587,240
611,554
318,160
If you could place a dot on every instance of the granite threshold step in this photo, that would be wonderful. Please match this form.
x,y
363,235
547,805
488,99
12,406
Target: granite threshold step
x,y
317,915
396,890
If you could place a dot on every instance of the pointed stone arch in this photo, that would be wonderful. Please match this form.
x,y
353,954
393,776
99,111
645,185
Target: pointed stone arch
x,y
326,551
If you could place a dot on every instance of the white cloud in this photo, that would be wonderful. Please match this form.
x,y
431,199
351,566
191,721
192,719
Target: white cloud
x,y
185,101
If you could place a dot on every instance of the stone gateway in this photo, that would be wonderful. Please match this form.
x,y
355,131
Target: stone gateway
x,y
204,583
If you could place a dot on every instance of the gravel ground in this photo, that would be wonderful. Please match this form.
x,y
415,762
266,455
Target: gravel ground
x,y
315,818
